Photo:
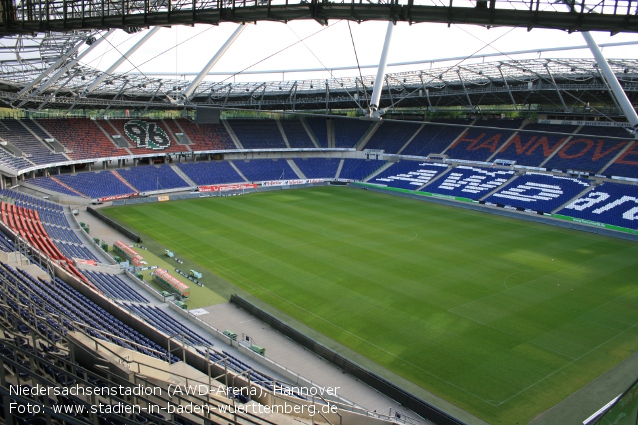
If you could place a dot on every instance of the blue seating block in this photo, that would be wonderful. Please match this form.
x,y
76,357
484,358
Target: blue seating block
x,y
540,192
610,203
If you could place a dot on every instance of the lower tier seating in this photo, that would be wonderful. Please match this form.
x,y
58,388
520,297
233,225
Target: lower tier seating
x,y
611,203
540,192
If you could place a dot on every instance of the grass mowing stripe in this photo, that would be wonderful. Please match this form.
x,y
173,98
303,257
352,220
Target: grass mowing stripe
x,y
501,317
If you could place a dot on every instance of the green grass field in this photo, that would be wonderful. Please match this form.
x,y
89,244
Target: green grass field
x,y
501,317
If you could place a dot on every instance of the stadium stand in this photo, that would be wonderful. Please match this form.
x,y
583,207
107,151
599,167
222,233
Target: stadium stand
x,y
318,168
533,148
469,182
610,203
15,133
173,148
348,132
72,306
26,223
392,136
35,128
74,251
6,244
206,136
210,172
171,124
408,174
82,138
589,153
167,324
358,169
434,139
257,170
152,178
51,183
626,164
296,134
10,161
540,192
258,134
96,184
319,128
55,224
478,143
114,287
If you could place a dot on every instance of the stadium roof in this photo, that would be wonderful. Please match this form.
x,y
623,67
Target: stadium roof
x,y
47,71
66,15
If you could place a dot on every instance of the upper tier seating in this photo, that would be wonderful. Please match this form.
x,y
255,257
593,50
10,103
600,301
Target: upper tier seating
x,y
469,182
359,169
96,184
15,163
296,134
434,139
319,128
540,192
210,172
206,136
258,134
626,164
119,126
478,143
408,174
391,136
533,148
15,133
151,178
83,138
589,153
611,203
348,131
36,129
257,170
318,168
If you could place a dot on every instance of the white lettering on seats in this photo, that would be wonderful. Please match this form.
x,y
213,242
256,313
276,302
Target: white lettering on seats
x,y
615,204
593,198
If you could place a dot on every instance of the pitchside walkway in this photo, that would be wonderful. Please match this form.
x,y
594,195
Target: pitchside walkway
x,y
294,357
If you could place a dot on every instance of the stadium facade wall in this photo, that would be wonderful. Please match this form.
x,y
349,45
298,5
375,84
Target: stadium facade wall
x,y
410,401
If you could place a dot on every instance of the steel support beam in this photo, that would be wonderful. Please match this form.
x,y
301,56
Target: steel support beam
x,y
68,66
42,16
560,96
51,68
467,95
508,88
616,89
202,74
121,60
378,81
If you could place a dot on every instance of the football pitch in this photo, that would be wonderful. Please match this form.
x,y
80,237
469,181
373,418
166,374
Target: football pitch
x,y
501,317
